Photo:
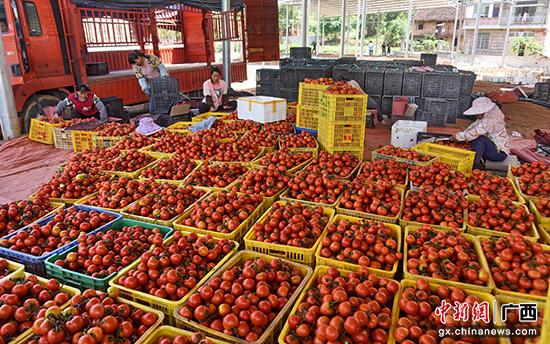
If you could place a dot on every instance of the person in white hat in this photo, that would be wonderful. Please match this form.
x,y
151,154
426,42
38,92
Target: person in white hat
x,y
487,135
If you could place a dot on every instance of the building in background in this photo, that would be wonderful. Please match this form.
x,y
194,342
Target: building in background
x,y
436,22
529,18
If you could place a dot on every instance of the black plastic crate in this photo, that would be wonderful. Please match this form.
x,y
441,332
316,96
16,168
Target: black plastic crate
x,y
542,90
408,63
114,105
412,83
428,59
300,52
464,103
265,76
277,87
393,81
433,119
387,105
97,68
313,71
288,77
341,71
264,90
450,85
374,80
431,85
467,82
436,105
164,87
452,110
289,94
357,72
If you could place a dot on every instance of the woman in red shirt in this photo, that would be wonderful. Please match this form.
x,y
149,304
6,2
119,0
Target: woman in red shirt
x,y
215,94
84,104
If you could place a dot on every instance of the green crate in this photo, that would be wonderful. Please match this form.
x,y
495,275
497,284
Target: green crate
x,y
83,281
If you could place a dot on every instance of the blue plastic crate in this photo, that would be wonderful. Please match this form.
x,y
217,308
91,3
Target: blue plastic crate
x,y
36,265
311,131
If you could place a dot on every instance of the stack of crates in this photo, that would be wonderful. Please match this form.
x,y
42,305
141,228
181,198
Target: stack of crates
x,y
342,121
307,112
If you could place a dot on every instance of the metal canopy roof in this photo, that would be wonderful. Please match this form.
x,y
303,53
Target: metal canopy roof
x,y
334,7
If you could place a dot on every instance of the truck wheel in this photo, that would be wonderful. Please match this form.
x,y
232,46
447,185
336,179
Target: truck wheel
x,y
32,108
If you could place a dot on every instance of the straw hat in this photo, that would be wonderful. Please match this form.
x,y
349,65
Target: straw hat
x,y
479,106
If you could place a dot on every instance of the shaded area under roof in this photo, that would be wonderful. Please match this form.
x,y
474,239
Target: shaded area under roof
x,y
211,5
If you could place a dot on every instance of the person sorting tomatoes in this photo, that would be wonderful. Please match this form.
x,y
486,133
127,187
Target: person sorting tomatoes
x,y
215,93
147,67
487,135
84,104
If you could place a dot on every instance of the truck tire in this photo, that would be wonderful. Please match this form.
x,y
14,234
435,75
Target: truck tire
x,y
32,109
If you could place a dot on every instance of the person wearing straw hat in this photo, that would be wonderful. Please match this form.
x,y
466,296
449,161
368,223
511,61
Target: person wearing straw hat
x,y
487,134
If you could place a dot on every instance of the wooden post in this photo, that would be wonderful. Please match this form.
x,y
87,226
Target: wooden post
x,y
154,32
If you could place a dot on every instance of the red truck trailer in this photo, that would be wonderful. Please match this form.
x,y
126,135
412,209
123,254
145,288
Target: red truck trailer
x,y
48,44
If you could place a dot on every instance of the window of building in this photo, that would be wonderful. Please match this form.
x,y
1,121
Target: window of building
x,y
483,41
3,18
496,10
31,15
420,26
522,34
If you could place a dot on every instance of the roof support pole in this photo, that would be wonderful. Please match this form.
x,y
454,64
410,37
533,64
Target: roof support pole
x,y
363,26
507,34
343,30
304,22
154,32
377,32
358,28
476,31
226,43
8,115
409,29
454,36
287,38
318,31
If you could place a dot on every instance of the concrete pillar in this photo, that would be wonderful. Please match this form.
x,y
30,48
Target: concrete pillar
x,y
507,34
377,32
304,22
226,45
287,38
8,114
343,30
358,28
454,36
318,32
409,29
363,27
476,31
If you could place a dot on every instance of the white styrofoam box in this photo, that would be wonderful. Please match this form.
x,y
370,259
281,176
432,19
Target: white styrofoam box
x,y
261,109
403,133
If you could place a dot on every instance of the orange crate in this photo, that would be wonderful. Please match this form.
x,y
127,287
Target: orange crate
x,y
41,131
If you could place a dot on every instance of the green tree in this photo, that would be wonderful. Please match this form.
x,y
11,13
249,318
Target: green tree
x,y
526,46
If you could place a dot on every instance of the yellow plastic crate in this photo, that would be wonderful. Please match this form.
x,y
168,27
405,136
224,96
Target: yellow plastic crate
x,y
216,189
259,156
541,220
341,134
236,235
41,131
25,336
258,164
149,150
355,267
498,291
291,108
198,164
358,152
105,141
481,259
85,201
489,232
171,332
270,334
504,299
167,223
377,156
544,233
343,107
284,197
352,173
386,219
134,174
202,117
460,159
307,117
309,94
402,186
82,140
313,150
15,269
167,307
516,192
545,338
180,126
296,254
318,272
62,138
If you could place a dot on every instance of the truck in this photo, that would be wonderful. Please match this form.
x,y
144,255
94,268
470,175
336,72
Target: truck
x,y
53,45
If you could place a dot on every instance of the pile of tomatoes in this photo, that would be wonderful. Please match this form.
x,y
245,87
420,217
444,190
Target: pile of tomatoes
x,y
172,270
4,270
135,141
241,150
501,215
403,153
513,322
65,124
320,81
366,243
534,178
341,87
115,129
392,171
517,264
243,300
542,204
262,138
279,127
119,193
216,175
60,230
435,206
302,140
95,159
239,126
174,168
130,161
315,187
338,308
444,255
419,322
284,159
292,224
92,317
166,201
490,186
438,175
454,144
24,300
340,164
266,182
196,338
174,143
102,254
380,199
15,215
65,185
222,212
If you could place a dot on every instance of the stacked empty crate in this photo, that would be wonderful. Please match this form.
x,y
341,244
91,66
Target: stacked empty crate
x,y
307,113
342,120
